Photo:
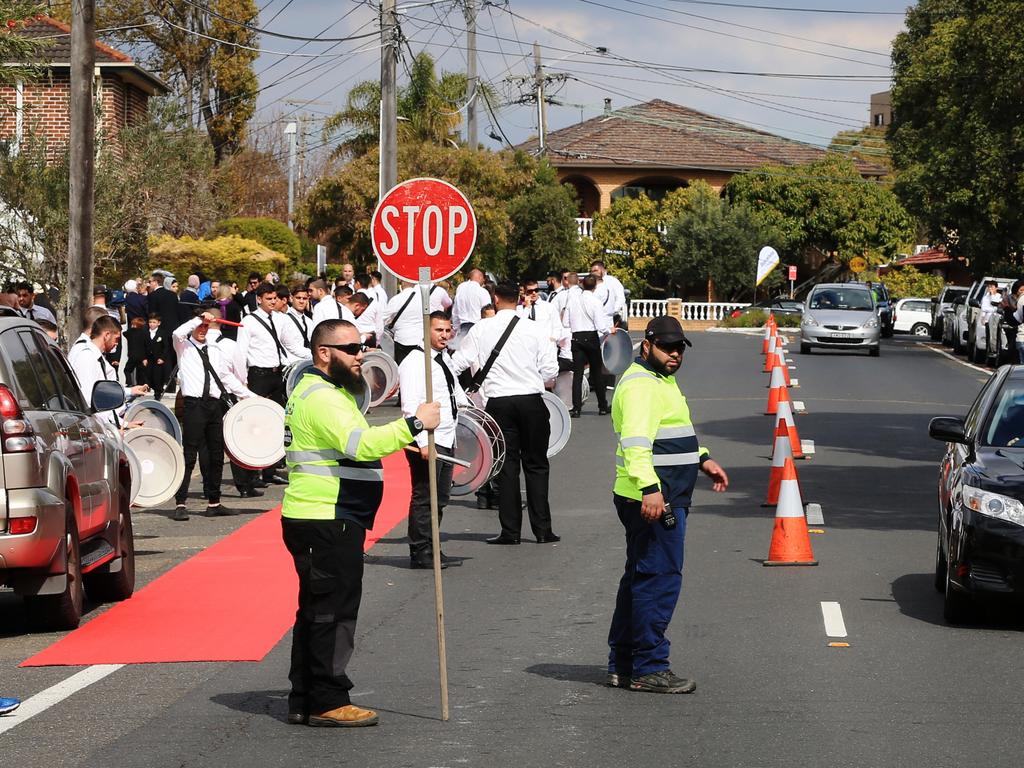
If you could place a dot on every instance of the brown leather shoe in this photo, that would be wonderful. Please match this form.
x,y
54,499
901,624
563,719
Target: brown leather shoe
x,y
349,716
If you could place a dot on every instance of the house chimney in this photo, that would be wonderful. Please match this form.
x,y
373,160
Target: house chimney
x,y
607,106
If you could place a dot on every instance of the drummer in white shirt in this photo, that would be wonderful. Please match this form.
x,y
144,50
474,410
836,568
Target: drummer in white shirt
x,y
333,308
532,307
206,380
447,392
369,318
90,364
609,292
470,298
403,316
589,325
297,310
513,389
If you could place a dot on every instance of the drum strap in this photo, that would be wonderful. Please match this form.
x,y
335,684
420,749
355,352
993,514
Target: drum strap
x,y
302,328
478,379
273,334
449,379
224,395
391,326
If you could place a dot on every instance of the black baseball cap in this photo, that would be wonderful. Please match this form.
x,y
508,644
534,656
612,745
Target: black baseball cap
x,y
666,330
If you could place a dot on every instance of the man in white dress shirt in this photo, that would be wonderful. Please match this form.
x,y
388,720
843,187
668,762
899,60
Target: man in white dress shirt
x,y
297,310
90,364
512,387
377,291
470,298
589,325
541,312
206,381
447,392
29,308
403,316
333,307
610,292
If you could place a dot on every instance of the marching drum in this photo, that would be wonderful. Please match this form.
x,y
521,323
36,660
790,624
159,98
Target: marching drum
x,y
155,415
254,433
381,375
563,388
161,465
617,352
561,424
387,343
135,469
479,450
293,373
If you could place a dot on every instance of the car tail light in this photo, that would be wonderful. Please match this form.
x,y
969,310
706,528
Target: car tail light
x,y
15,430
18,526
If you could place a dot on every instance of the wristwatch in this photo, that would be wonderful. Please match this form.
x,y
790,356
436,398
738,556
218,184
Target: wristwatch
x,y
417,424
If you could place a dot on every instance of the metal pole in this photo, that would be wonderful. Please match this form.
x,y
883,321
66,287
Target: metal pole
x,y
388,116
435,532
82,164
471,79
538,77
290,130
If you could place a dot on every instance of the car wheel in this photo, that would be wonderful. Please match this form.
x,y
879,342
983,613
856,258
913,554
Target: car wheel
x,y
805,349
921,329
63,611
875,351
940,563
113,587
957,607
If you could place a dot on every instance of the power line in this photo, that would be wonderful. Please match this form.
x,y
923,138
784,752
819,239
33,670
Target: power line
x,y
789,9
271,33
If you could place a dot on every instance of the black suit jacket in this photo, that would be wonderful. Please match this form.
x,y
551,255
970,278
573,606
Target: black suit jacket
x,y
164,303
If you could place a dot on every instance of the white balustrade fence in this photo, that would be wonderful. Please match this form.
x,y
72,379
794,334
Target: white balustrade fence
x,y
692,310
585,227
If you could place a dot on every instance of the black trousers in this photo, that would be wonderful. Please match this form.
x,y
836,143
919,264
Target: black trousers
x,y
525,423
268,383
586,350
328,558
420,539
202,437
401,350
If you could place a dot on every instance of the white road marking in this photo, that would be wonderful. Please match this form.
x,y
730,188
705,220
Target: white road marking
x,y
833,616
813,514
954,358
799,407
55,694
807,446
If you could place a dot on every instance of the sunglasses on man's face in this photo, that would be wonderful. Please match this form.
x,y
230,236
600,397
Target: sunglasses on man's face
x,y
671,347
532,290
349,349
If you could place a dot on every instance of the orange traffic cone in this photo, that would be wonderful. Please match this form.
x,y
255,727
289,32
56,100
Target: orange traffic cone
x,y
768,330
780,452
791,543
780,364
784,415
769,361
777,393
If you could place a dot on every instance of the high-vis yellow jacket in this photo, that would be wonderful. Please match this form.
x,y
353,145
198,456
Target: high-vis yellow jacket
x,y
657,448
333,455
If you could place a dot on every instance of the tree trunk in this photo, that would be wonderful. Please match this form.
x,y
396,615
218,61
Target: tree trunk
x,y
711,290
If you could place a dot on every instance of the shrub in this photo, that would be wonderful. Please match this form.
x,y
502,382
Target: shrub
x,y
271,233
907,282
757,319
226,258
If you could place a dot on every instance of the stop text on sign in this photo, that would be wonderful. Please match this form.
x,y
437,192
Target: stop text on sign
x,y
423,224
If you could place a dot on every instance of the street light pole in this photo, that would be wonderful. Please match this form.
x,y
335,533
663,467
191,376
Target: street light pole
x,y
538,79
290,130
388,116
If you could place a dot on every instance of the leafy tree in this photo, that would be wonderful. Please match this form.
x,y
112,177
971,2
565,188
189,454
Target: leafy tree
x,y
228,86
543,232
956,138
269,232
626,238
229,257
827,206
904,282
13,46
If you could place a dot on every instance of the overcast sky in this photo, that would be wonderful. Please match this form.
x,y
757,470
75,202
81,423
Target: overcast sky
x,y
649,43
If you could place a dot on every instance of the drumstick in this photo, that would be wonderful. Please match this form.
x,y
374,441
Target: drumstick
x,y
232,323
441,457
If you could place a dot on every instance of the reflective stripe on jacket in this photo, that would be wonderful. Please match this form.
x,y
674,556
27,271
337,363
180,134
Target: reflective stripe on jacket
x,y
333,455
657,445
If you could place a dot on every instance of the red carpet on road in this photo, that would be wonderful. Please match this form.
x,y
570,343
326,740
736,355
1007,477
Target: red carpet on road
x,y
231,602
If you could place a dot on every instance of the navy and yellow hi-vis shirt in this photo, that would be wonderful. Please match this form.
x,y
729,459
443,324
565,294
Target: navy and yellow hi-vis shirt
x,y
333,455
657,448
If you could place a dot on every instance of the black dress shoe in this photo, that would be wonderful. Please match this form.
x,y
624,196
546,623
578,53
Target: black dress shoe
x,y
297,718
277,480
548,539
181,513
503,539
250,493
259,484
219,510
424,562
604,411
575,413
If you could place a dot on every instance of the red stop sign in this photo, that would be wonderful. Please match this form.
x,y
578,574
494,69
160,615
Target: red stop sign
x,y
423,223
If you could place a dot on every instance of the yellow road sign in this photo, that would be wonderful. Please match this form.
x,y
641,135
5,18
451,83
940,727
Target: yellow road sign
x,y
858,264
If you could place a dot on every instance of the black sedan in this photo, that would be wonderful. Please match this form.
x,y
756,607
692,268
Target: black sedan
x,y
980,549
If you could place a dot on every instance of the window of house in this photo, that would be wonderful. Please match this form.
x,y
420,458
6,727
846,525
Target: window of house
x,y
879,119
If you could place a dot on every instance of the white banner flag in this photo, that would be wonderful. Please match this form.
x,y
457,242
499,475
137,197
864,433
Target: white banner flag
x,y
767,260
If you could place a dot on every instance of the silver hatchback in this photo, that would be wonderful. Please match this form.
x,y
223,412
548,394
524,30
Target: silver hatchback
x,y
840,316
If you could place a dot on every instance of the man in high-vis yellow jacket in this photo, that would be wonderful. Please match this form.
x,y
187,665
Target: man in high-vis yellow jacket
x,y
656,464
335,485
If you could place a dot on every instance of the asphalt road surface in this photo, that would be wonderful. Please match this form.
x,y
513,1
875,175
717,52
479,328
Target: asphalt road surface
x,y
527,625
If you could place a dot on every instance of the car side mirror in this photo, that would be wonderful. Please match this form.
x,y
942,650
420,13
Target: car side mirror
x,y
948,429
107,396
974,302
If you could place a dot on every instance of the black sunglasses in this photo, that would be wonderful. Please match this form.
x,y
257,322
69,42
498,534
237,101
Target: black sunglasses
x,y
349,349
531,290
670,347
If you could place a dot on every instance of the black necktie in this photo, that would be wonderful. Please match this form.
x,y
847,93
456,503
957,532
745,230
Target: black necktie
x,y
31,313
533,312
204,352
103,367
449,380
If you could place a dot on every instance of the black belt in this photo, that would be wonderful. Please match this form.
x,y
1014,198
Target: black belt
x,y
260,369
583,333
209,398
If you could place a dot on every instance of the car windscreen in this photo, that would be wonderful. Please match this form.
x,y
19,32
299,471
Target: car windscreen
x,y
1006,426
841,298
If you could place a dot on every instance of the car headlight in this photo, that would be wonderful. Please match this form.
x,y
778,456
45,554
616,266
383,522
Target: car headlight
x,y
872,323
994,505
809,321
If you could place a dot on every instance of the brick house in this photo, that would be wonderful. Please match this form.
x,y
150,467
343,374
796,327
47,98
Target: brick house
x,y
655,147
41,107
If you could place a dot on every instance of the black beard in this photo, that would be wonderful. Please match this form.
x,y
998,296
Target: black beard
x,y
344,377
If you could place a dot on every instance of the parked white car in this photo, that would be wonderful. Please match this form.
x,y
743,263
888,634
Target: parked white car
x,y
913,315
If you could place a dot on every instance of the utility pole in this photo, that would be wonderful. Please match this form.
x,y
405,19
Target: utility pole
x,y
290,131
471,78
82,164
538,79
388,115
303,119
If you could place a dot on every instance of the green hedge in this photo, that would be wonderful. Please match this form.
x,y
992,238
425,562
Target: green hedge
x,y
757,319
224,258
272,233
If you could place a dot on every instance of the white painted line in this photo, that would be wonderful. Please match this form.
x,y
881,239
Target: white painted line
x,y
799,407
807,446
954,358
813,514
55,694
833,616
794,383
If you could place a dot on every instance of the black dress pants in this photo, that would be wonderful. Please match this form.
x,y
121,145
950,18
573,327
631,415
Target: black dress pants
x,y
268,383
586,350
525,423
420,538
328,558
202,437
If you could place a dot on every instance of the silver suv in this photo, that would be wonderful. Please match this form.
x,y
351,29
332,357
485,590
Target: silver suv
x,y
65,524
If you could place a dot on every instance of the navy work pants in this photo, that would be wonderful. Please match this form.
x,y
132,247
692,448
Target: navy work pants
x,y
648,592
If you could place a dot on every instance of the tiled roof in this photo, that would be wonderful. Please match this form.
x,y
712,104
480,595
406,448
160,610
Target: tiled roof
x,y
659,134
56,37
931,256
